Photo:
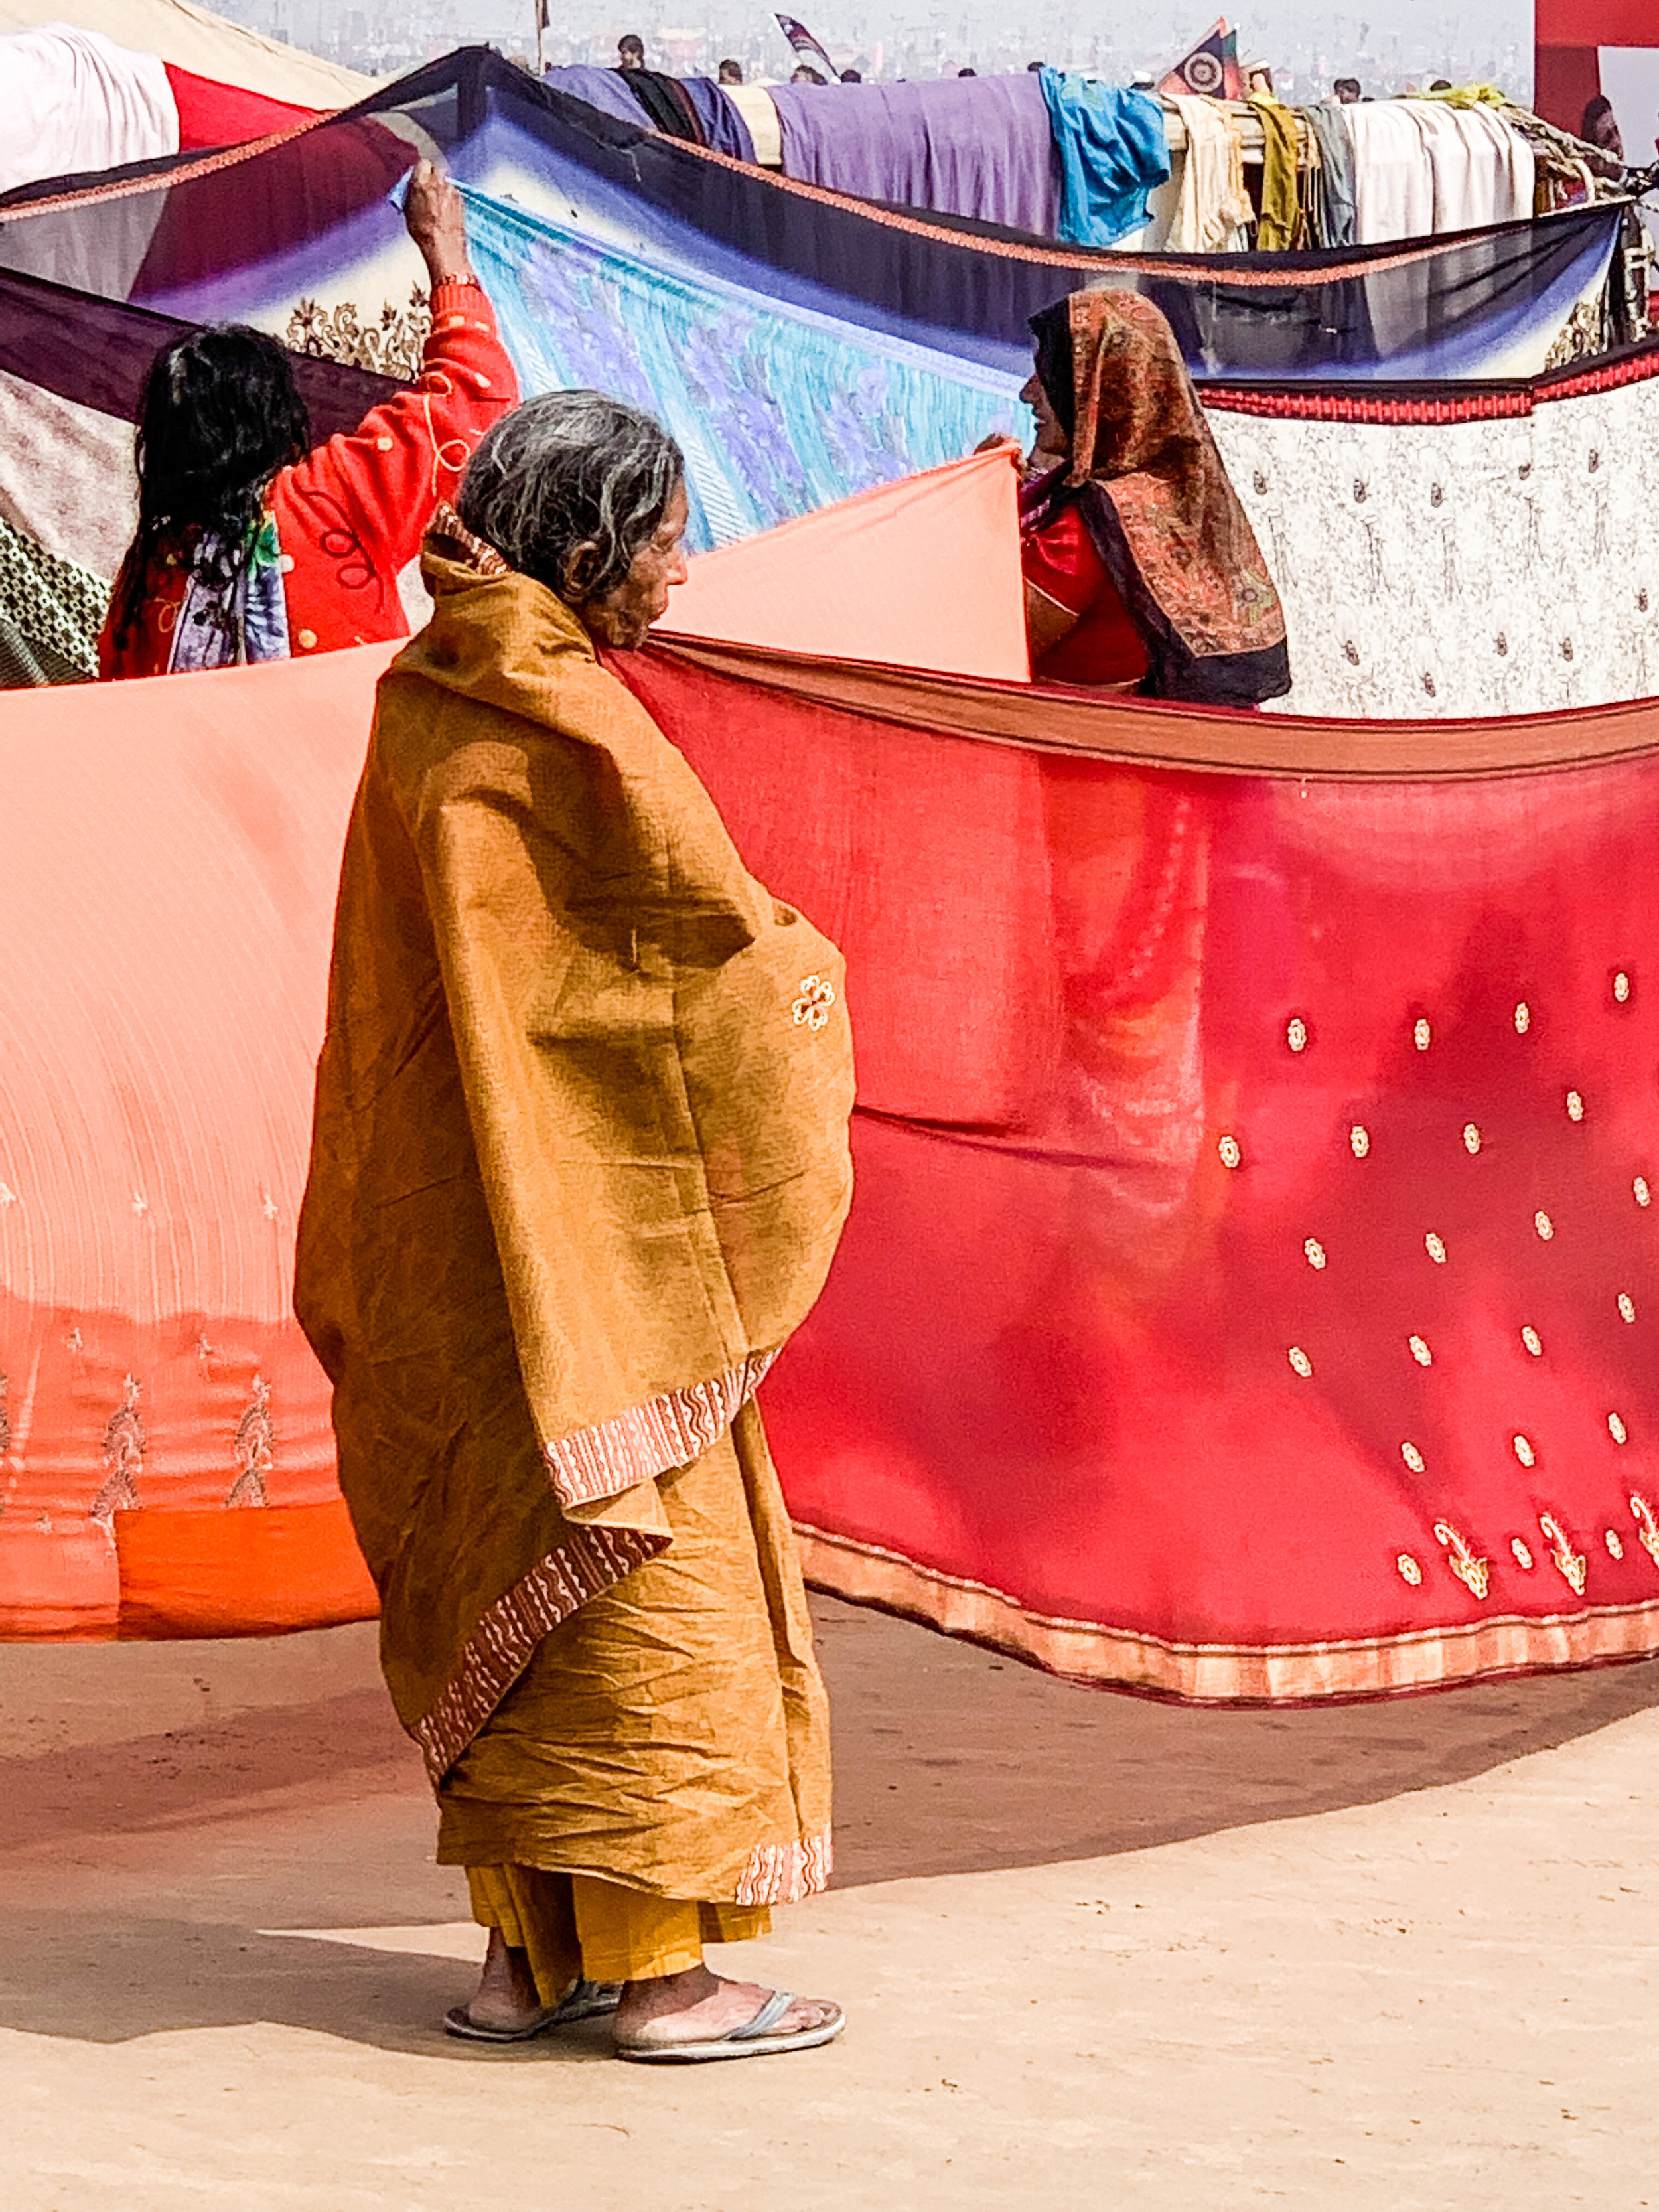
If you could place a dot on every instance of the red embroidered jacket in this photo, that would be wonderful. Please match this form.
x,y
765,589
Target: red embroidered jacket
x,y
353,513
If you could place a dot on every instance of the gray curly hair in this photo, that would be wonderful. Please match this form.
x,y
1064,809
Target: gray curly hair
x,y
569,489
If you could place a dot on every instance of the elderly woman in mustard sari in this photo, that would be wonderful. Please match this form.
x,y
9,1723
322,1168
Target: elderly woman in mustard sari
x,y
579,1168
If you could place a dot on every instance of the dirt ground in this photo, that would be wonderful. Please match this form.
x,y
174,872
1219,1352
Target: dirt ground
x,y
1096,1952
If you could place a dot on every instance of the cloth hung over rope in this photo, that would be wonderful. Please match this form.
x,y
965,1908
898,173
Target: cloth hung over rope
x,y
971,146
74,102
1204,1323
723,125
152,1143
1482,529
1422,166
1112,150
666,102
1276,227
1214,204
611,91
1336,179
300,238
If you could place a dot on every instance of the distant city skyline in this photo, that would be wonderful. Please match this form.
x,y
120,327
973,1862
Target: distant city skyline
x,y
1387,46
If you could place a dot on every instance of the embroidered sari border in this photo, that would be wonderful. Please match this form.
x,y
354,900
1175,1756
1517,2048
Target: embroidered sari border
x,y
647,1440
1220,1673
589,1562
784,1873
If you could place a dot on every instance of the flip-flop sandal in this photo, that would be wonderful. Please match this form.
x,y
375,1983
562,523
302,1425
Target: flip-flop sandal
x,y
754,2040
587,2001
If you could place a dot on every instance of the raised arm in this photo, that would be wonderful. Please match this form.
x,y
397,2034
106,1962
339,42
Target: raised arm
x,y
362,500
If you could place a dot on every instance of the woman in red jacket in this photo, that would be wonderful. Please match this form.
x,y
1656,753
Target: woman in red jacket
x,y
252,545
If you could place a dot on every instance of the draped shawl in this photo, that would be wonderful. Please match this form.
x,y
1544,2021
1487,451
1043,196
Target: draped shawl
x,y
1155,494
580,1157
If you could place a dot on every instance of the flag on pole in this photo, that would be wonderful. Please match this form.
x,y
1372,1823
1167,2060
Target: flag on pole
x,y
809,49
1211,69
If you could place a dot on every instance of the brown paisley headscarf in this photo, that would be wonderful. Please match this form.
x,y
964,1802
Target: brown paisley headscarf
x,y
1115,377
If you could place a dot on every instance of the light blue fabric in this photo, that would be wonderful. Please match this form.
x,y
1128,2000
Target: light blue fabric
x,y
1113,150
777,410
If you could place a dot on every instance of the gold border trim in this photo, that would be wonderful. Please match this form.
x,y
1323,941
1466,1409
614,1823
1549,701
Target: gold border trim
x,y
589,1562
784,1873
1226,1674
666,1432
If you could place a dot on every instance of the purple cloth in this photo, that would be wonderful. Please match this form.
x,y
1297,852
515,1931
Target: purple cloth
x,y
724,128
607,90
975,146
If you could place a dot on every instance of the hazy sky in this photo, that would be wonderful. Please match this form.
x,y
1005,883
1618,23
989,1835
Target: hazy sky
x,y
1387,43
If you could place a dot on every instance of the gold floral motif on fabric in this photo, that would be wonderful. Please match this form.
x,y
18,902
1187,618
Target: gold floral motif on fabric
x,y
254,1445
1581,334
1474,1573
124,1461
393,346
1409,1570
1572,1566
811,1010
1646,1525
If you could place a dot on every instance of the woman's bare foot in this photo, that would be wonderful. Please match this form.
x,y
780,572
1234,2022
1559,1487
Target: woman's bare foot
x,y
698,2006
506,1997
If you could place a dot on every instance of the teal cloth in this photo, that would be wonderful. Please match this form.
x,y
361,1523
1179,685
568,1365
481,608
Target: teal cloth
x,y
1113,151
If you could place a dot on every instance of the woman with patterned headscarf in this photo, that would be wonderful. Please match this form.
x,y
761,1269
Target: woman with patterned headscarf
x,y
1142,568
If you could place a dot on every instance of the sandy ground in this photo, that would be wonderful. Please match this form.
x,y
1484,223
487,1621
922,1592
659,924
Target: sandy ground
x,y
1096,1952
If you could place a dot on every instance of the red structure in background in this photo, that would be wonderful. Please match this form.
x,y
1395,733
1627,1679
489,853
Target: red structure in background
x,y
1567,37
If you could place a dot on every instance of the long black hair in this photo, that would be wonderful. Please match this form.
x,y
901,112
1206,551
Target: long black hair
x,y
221,415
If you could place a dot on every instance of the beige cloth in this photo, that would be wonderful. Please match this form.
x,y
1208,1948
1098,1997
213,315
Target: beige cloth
x,y
1213,203
759,111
